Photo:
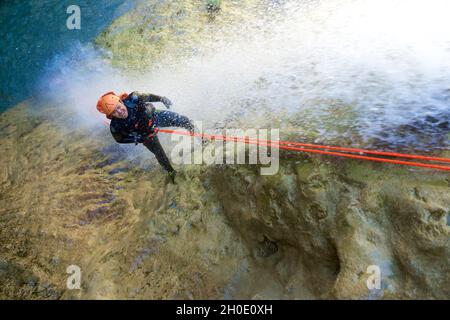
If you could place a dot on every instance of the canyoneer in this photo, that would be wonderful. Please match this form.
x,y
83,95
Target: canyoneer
x,y
134,119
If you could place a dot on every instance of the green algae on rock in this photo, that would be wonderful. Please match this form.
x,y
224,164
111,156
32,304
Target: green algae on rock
x,y
153,29
311,231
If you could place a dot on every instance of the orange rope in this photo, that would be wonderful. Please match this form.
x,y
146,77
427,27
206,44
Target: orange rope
x,y
285,145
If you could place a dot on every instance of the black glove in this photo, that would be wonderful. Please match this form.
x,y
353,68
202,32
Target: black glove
x,y
166,102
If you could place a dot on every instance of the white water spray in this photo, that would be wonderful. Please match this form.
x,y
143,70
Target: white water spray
x,y
388,59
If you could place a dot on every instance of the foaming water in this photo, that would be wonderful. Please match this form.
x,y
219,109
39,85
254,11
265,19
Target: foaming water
x,y
386,62
75,79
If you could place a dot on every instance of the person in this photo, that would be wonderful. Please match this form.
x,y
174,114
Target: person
x,y
134,119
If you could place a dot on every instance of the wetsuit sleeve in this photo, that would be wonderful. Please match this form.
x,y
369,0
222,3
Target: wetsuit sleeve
x,y
148,97
150,110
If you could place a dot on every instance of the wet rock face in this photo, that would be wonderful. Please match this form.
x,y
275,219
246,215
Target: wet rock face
x,y
327,226
284,227
147,33
311,231
265,248
19,283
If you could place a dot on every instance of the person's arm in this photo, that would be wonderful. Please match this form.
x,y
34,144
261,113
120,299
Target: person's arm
x,y
148,97
149,109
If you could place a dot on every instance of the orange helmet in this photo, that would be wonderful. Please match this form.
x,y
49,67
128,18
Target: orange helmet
x,y
107,102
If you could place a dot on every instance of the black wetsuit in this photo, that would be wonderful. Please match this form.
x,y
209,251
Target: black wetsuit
x,y
142,120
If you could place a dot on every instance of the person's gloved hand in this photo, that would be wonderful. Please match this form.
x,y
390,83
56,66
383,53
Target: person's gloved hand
x,y
166,102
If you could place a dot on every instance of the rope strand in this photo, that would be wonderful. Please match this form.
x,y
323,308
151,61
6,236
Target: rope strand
x,y
287,145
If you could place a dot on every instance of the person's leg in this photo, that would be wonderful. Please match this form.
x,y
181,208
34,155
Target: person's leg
x,y
166,118
155,147
172,119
